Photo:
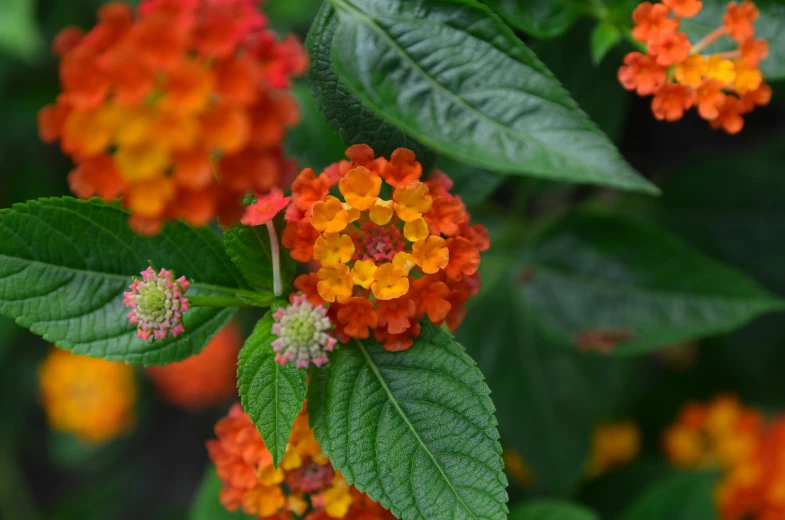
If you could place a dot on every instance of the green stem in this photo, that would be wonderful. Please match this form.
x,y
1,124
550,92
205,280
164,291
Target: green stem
x,y
217,301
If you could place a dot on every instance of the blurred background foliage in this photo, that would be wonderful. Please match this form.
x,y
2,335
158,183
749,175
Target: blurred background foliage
x,y
725,196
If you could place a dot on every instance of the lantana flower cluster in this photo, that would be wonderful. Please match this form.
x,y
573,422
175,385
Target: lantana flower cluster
x,y
206,379
724,434
722,86
303,486
390,248
178,108
90,398
157,302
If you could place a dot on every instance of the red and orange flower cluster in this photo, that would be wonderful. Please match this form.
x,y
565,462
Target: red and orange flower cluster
x,y
724,434
179,109
385,262
303,486
722,86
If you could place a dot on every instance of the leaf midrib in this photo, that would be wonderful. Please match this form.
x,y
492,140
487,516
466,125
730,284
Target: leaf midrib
x,y
394,402
596,173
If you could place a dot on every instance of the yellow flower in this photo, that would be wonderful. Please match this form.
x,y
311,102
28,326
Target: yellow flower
x,y
338,498
142,162
333,248
412,201
416,230
363,273
747,78
391,282
381,212
360,188
431,254
404,260
692,70
720,69
329,215
335,283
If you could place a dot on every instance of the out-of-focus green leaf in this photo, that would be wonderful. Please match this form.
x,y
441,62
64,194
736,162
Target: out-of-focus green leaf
x,y
770,26
353,122
551,510
453,76
540,18
64,265
684,496
19,33
272,395
415,430
548,396
597,279
604,37
207,506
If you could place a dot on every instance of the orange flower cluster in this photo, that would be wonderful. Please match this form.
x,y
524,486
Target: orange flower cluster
x,y
751,452
722,86
386,261
714,435
179,109
206,379
90,398
303,486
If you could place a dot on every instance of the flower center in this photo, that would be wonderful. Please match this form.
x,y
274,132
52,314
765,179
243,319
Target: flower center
x,y
153,302
301,328
377,243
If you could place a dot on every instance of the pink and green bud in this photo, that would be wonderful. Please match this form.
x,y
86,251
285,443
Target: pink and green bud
x,y
157,303
302,333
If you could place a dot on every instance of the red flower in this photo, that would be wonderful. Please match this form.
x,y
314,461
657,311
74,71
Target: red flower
x,y
265,208
642,74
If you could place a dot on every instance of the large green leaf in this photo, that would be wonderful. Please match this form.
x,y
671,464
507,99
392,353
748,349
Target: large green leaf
x,y
313,143
473,185
451,74
770,26
272,395
64,265
540,18
551,510
415,430
548,397
207,506
249,248
592,273
353,122
687,496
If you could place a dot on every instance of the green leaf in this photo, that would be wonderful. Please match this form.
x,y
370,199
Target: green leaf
x,y
540,18
548,397
207,505
551,510
19,33
770,26
591,85
353,122
591,273
450,74
604,37
414,430
64,265
686,496
271,395
249,249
